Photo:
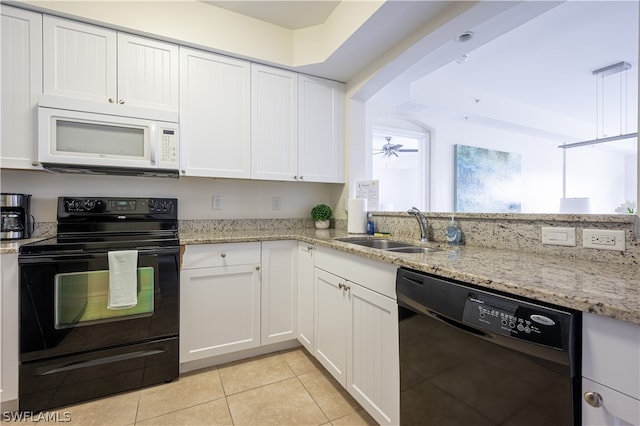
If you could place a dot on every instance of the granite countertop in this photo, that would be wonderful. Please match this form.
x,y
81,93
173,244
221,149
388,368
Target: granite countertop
x,y
606,289
610,290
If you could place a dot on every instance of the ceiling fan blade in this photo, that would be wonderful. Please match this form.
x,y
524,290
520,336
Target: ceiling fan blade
x,y
408,150
394,153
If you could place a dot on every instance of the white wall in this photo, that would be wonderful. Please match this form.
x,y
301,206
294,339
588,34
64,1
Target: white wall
x,y
241,199
541,163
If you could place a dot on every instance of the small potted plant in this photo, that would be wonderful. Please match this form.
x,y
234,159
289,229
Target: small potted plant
x,y
321,215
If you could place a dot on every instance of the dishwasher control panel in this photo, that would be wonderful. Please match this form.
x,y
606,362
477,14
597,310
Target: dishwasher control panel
x,y
513,318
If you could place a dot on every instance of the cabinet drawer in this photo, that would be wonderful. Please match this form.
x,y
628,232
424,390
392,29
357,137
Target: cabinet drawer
x,y
611,353
377,276
616,409
227,254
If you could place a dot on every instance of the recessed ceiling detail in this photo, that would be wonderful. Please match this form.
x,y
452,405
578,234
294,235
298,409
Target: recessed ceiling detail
x,y
288,14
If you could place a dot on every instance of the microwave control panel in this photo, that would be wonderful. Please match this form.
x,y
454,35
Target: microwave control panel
x,y
168,146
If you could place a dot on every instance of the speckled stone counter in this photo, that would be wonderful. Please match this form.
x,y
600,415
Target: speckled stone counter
x,y
611,290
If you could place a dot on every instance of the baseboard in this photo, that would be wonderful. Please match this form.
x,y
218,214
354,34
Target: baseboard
x,y
236,356
9,406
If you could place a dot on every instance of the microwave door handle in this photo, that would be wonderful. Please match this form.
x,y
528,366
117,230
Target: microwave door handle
x,y
152,145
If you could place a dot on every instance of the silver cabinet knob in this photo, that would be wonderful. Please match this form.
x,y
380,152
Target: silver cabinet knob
x,y
309,248
257,268
347,288
111,100
121,101
341,286
301,177
594,399
223,255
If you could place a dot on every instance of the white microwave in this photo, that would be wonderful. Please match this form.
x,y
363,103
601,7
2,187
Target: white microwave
x,y
87,142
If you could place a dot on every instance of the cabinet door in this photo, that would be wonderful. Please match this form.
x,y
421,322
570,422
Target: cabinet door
x,y
615,408
215,115
274,123
147,73
330,323
9,345
279,291
320,130
219,310
79,60
305,295
373,363
21,73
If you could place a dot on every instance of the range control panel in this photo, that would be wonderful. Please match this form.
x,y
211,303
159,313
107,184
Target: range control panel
x,y
87,207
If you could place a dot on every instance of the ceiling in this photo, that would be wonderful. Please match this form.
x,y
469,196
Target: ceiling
x,y
288,14
535,68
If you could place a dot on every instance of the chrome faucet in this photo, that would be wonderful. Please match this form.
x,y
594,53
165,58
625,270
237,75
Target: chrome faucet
x,y
422,221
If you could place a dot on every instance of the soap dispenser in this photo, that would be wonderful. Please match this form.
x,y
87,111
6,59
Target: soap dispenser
x,y
454,234
371,228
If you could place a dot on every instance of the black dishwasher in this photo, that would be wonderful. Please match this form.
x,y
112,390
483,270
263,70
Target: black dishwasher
x,y
473,357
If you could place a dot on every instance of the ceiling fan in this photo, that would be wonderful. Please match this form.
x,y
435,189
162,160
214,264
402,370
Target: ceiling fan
x,y
389,149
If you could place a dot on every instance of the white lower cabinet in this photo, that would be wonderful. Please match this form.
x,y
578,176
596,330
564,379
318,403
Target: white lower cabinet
x,y
219,299
356,329
305,295
330,331
9,357
279,291
611,372
237,296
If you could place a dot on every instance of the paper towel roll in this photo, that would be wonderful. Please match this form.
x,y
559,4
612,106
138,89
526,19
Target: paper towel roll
x,y
357,216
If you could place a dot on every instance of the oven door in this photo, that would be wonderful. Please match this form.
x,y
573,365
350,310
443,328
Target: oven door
x,y
63,303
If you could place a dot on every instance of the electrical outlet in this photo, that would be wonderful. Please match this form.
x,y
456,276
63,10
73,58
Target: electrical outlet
x,y
217,202
275,203
603,239
558,236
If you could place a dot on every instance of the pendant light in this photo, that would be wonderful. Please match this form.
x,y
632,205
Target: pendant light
x,y
600,75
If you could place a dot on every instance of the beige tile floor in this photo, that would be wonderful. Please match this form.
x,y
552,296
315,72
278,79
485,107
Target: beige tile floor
x,y
284,388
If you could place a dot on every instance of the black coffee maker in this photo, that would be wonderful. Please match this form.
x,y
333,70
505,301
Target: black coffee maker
x,y
15,212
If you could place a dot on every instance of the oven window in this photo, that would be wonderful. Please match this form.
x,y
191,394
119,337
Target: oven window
x,y
81,298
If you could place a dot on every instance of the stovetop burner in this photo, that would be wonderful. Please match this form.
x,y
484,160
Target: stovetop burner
x,y
107,223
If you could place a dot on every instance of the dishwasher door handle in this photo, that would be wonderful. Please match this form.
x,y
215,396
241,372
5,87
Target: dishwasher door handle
x,y
458,325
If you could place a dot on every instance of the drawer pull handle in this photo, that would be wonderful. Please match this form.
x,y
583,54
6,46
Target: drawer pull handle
x,y
594,399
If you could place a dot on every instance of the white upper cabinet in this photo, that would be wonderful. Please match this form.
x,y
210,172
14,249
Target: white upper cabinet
x,y
215,115
320,129
21,60
296,126
87,62
79,60
274,123
147,73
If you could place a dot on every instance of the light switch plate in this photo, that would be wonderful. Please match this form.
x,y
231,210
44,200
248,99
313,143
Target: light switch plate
x,y
558,236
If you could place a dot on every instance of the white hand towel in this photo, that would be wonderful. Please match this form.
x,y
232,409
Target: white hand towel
x,y
123,279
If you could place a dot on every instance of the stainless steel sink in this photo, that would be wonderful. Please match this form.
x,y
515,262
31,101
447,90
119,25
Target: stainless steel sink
x,y
377,243
388,245
414,249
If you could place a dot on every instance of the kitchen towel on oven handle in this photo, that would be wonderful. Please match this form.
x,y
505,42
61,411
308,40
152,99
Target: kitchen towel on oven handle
x,y
123,279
